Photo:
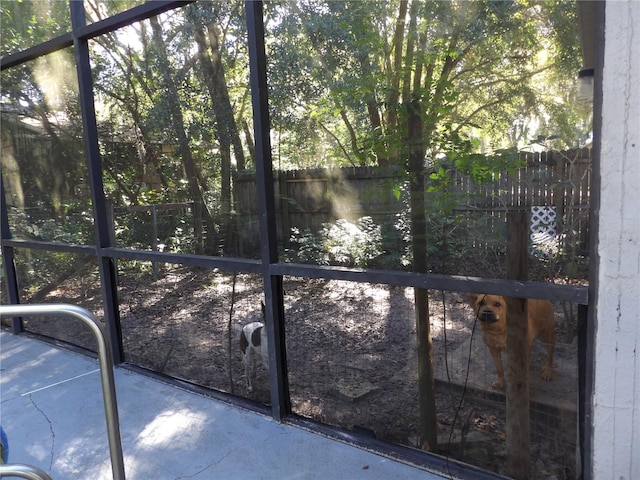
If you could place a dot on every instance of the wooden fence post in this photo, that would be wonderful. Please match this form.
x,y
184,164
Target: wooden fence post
x,y
517,375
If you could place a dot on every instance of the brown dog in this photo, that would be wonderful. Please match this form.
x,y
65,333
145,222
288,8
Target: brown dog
x,y
491,311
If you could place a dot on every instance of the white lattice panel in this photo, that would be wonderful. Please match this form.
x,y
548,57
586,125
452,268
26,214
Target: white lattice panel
x,y
543,223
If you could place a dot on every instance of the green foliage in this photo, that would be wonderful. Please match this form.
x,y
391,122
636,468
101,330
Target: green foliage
x,y
490,70
340,243
39,267
481,75
134,229
25,23
42,268
76,228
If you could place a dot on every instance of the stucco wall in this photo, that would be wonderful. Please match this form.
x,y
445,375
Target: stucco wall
x,y
616,401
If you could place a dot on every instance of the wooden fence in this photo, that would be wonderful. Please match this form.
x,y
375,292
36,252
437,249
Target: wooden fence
x,y
307,199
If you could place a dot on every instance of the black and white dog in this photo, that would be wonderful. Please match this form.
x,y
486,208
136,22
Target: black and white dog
x,y
253,343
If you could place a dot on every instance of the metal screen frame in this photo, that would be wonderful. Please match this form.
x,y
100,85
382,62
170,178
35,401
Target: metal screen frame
x,y
269,266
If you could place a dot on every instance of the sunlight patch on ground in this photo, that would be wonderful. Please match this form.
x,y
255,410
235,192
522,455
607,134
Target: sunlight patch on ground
x,y
172,428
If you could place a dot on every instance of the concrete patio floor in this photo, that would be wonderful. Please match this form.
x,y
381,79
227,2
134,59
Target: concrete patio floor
x,y
52,411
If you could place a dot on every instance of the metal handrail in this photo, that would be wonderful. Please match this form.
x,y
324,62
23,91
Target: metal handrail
x,y
23,471
106,368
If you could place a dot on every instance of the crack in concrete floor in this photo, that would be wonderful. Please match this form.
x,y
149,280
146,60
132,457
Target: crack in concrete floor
x,y
53,435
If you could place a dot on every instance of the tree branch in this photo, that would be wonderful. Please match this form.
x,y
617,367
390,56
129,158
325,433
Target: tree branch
x,y
337,140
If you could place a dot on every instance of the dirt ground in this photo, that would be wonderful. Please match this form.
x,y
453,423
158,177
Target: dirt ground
x,y
351,354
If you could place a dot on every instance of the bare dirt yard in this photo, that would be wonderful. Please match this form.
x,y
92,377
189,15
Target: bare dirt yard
x,y
351,355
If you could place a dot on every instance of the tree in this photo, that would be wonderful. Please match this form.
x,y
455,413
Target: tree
x,y
477,69
411,83
130,157
44,92
207,36
201,212
26,23
198,46
39,107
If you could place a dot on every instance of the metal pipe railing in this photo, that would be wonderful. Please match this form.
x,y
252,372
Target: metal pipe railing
x,y
106,368
23,471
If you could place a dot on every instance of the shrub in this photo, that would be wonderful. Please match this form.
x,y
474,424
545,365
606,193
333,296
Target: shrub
x,y
340,243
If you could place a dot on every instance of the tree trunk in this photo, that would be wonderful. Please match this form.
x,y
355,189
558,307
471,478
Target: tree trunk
x,y
149,172
426,385
249,139
375,121
393,95
226,128
201,213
